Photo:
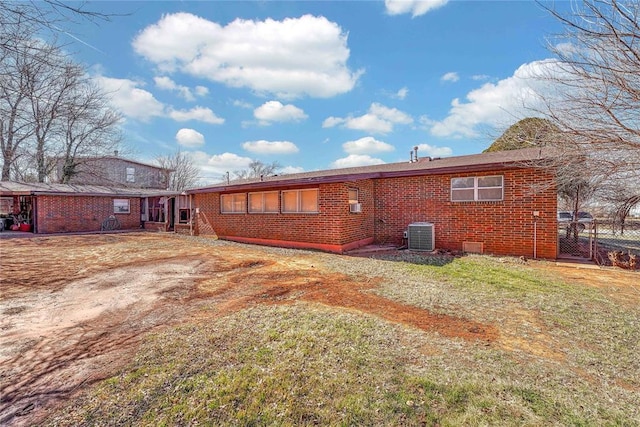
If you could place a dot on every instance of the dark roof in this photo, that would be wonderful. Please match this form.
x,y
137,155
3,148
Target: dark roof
x,y
118,158
11,188
424,166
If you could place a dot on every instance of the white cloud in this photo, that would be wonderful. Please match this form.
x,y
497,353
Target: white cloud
x,y
566,48
133,101
201,90
480,77
289,58
270,147
214,167
127,96
450,77
402,93
274,111
290,170
354,160
379,119
496,104
366,145
415,7
330,122
201,114
166,83
242,104
189,138
433,151
425,122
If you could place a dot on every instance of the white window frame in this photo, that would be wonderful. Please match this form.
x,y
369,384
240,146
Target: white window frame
x,y
121,206
131,174
235,198
183,206
477,189
261,196
299,201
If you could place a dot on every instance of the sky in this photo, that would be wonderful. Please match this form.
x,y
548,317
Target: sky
x,y
313,85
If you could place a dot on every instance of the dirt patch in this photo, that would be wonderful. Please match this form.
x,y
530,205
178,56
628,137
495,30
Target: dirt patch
x,y
623,286
75,308
338,290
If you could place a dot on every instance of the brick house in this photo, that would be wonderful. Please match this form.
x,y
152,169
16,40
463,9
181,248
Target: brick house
x,y
499,203
113,171
59,208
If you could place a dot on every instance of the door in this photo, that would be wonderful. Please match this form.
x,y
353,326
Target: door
x,y
172,213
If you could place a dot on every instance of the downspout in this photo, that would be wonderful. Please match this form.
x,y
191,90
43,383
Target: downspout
x,y
190,216
535,239
536,215
34,207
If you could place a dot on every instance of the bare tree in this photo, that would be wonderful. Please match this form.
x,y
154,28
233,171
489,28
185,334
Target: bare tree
x,y
257,169
50,93
597,82
15,125
49,110
90,128
180,170
47,14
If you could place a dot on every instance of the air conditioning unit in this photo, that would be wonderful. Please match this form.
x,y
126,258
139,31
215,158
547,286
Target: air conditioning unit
x,y
355,207
421,236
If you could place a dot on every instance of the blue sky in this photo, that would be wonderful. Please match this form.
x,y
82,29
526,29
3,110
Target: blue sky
x,y
314,85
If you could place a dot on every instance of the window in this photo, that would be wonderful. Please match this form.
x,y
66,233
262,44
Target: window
x,y
156,209
6,205
353,195
265,202
184,213
300,201
479,188
121,206
131,175
183,216
233,203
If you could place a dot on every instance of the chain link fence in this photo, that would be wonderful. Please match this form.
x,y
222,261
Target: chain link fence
x,y
617,243
576,239
605,241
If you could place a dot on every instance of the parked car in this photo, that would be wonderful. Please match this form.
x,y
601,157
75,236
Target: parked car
x,y
584,217
579,224
565,216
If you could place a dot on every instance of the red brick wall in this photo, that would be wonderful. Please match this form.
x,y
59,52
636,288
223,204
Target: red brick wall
x,y
505,227
60,214
389,205
332,225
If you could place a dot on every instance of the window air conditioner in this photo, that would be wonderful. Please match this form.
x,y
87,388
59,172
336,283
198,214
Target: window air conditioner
x,y
421,236
355,207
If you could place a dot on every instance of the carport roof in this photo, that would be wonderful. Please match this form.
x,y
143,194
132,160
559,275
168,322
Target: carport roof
x,y
11,188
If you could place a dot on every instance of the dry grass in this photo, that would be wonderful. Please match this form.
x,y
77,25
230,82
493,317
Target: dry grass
x,y
283,337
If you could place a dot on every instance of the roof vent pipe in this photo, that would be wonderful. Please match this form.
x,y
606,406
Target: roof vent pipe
x,y
411,155
416,150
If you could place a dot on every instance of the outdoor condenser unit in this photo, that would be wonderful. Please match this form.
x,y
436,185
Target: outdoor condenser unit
x,y
421,236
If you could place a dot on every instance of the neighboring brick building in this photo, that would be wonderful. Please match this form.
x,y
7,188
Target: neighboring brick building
x,y
497,203
61,208
114,171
